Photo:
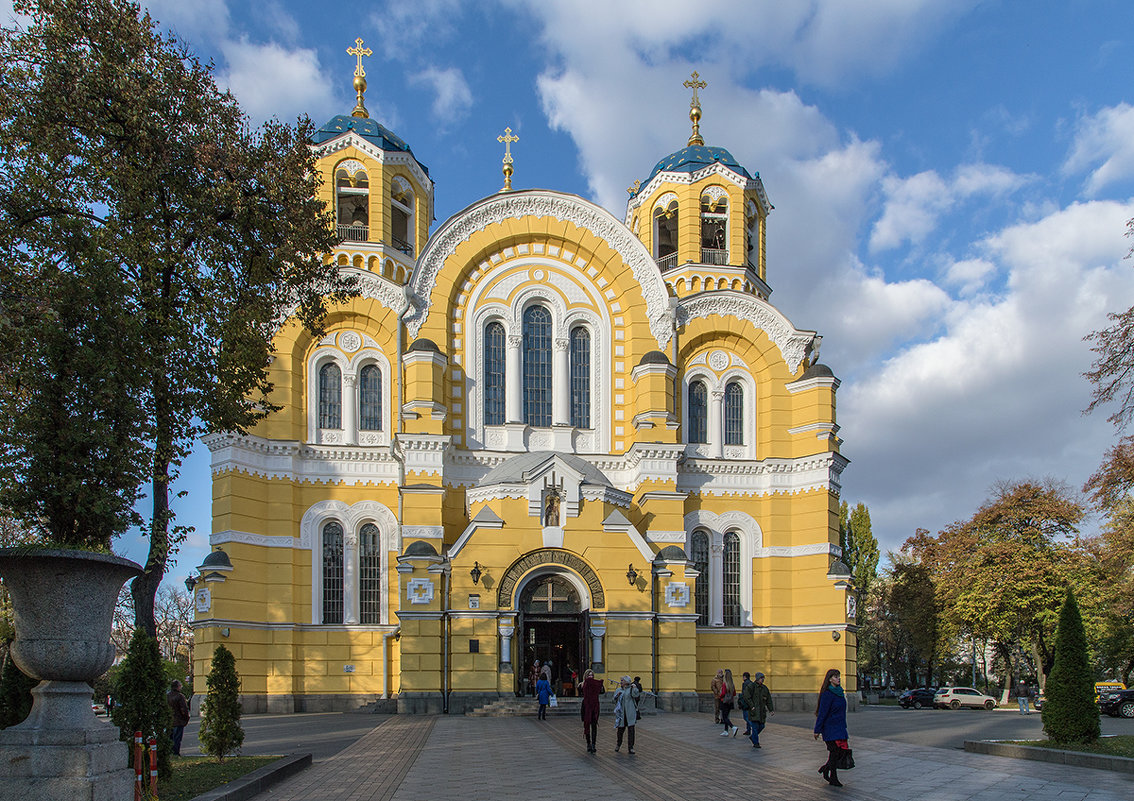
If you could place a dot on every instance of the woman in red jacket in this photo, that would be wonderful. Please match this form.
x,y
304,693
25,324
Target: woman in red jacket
x,y
592,689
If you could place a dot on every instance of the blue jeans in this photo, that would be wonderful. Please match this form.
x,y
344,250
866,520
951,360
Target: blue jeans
x,y
176,735
1023,701
747,721
756,729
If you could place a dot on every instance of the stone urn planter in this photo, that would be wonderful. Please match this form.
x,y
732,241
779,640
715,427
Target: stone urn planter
x,y
63,602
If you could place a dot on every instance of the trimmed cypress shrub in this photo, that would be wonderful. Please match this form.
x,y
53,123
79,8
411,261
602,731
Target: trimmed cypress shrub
x,y
221,733
15,694
1069,711
140,699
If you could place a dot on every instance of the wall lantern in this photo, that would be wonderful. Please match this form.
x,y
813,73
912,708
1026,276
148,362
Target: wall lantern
x,y
632,575
476,573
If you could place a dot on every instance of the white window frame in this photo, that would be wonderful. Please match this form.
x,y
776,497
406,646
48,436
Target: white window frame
x,y
751,538
349,369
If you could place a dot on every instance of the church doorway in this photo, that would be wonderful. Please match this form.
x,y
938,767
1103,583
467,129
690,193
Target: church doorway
x,y
553,626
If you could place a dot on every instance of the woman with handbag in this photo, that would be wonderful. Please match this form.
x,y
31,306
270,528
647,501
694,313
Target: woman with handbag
x,y
831,724
728,694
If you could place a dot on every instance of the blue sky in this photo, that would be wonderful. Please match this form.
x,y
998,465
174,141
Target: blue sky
x,y
951,183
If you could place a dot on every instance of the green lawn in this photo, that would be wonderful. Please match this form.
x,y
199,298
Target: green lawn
x,y
193,775
1121,745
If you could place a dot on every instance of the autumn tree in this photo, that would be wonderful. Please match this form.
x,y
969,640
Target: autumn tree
x,y
1001,575
129,178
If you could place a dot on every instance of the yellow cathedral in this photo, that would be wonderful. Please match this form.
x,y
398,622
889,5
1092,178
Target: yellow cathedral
x,y
540,432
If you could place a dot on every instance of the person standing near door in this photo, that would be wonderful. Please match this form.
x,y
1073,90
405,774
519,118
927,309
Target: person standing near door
x,y
543,693
591,690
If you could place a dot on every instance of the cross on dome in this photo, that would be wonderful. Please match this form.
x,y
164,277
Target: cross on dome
x,y
507,139
359,76
695,83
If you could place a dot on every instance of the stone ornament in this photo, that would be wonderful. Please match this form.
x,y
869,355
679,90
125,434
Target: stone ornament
x,y
419,591
350,341
677,594
203,599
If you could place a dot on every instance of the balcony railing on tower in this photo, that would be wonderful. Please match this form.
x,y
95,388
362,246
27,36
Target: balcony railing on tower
x,y
714,256
354,233
667,261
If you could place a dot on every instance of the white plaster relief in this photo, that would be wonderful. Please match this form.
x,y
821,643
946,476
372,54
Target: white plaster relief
x,y
791,341
677,594
419,590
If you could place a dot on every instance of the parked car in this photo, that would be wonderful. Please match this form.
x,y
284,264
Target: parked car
x,y
957,697
97,708
1038,701
917,698
1104,687
1117,703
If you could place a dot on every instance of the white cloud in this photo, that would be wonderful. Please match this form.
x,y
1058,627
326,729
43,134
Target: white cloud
x,y
453,96
405,26
914,205
1106,140
270,80
969,275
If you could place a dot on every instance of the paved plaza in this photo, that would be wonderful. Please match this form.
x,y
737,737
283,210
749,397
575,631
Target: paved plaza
x,y
677,757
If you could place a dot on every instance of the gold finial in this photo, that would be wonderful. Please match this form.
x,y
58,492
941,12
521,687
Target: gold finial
x,y
695,83
634,187
359,76
507,139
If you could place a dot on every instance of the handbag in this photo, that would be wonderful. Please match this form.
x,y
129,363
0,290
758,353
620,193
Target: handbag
x,y
553,702
845,760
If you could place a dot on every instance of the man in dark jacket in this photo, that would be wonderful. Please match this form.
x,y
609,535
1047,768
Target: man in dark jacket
x,y
742,702
180,708
759,701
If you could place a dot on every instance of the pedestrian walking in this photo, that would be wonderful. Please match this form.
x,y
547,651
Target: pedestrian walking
x,y
591,690
742,702
626,712
831,724
543,692
1023,696
180,708
715,688
727,697
758,700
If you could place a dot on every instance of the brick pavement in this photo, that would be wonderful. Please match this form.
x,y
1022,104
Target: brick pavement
x,y
678,757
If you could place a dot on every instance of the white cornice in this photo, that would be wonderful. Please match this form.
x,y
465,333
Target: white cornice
x,y
716,168
393,157
540,203
791,341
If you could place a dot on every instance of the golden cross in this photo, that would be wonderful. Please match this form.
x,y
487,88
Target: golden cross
x,y
360,51
694,83
508,139
635,187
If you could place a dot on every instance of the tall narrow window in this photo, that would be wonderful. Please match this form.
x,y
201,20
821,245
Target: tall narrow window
x,y
401,215
332,573
352,199
731,579
370,398
699,555
330,396
665,236
369,575
494,357
714,227
580,377
734,414
698,412
537,366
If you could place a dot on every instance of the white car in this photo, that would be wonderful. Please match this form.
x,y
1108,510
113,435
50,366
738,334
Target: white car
x,y
957,697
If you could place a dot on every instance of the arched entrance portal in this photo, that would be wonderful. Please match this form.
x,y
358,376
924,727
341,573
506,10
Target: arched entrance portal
x,y
553,626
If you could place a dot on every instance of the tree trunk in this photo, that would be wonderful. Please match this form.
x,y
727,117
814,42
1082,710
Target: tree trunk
x,y
144,588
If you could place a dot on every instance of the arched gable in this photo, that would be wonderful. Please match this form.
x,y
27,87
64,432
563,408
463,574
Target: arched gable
x,y
791,341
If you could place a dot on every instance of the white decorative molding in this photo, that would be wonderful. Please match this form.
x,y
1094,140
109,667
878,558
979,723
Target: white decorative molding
x,y
419,590
248,538
352,166
293,461
666,537
662,203
393,157
766,477
203,599
677,594
541,203
792,342
350,341
718,360
686,178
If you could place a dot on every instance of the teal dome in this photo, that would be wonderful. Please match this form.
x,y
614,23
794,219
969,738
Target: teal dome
x,y
695,157
370,130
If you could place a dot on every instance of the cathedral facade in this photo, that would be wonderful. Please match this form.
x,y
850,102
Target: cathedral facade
x,y
540,432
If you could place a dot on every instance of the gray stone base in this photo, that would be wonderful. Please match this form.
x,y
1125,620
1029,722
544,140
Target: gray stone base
x,y
1078,759
82,765
680,702
251,704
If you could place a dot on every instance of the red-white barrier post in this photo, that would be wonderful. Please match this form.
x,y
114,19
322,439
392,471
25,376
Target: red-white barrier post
x,y
137,766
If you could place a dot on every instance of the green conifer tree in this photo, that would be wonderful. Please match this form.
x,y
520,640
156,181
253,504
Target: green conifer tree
x,y
15,694
221,733
140,699
1069,711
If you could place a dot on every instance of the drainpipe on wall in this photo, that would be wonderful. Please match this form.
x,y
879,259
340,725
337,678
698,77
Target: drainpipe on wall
x,y
654,633
386,660
445,643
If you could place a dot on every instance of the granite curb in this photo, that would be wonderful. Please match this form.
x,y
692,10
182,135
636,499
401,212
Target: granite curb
x,y
1077,759
251,784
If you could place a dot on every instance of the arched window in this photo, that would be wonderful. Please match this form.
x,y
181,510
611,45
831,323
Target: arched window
x,y
699,555
734,414
698,412
370,398
730,583
401,216
580,377
369,575
665,235
714,227
494,357
330,396
352,200
537,366
332,573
